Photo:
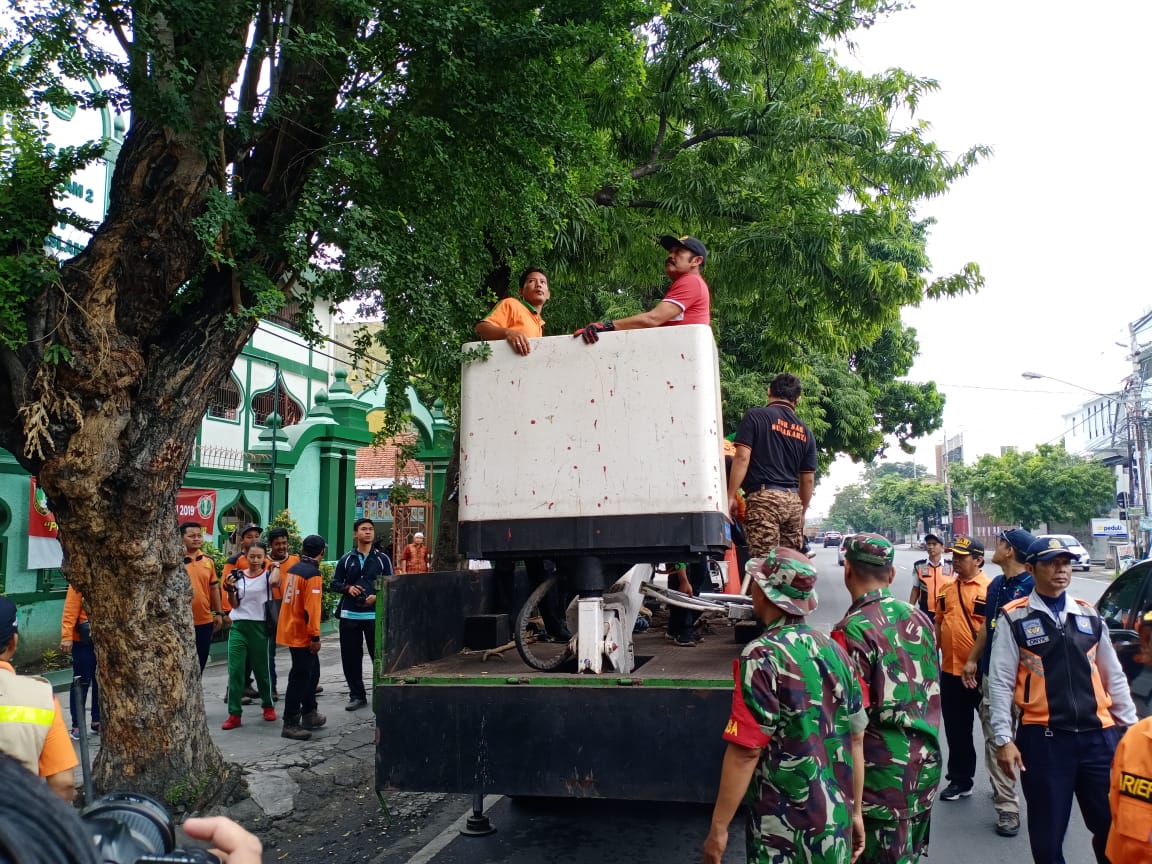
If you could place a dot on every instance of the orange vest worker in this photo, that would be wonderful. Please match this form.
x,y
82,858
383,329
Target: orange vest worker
x,y
1130,840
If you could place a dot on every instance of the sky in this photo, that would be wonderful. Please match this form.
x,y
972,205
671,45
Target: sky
x,y
1056,218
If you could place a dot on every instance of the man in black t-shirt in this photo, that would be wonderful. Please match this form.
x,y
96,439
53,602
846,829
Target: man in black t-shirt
x,y
775,464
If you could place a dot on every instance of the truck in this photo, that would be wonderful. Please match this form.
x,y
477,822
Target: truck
x,y
607,460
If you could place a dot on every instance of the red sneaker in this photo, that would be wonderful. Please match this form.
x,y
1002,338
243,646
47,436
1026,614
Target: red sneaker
x,y
233,722
269,714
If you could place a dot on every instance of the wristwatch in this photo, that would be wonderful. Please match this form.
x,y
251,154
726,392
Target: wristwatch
x,y
1001,740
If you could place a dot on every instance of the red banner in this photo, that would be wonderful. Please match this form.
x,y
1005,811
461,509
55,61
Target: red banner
x,y
41,522
197,505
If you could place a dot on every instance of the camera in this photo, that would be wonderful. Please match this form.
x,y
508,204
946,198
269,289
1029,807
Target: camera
x,y
127,828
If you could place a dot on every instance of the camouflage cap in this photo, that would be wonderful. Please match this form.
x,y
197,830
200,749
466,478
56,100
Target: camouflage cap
x,y
787,579
870,549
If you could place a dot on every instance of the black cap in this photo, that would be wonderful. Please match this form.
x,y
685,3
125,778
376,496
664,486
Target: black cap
x,y
690,243
8,623
313,546
965,545
928,538
247,528
1047,548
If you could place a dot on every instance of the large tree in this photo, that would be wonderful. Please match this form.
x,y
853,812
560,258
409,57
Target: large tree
x,y
261,136
1037,487
412,155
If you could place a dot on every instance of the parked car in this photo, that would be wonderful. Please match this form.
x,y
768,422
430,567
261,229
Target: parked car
x,y
1121,607
1080,556
832,538
843,548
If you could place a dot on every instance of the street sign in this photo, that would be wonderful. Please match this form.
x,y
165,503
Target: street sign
x,y
1135,511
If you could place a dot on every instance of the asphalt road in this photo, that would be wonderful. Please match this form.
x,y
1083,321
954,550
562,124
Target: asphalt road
x,y
575,832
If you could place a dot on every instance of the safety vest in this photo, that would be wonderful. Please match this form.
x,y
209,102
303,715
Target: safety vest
x,y
1057,682
931,579
1130,840
27,709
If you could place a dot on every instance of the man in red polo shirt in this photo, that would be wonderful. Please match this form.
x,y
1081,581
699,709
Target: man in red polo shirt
x,y
687,300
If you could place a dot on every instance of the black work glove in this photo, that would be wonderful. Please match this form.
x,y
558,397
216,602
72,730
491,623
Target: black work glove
x,y
591,332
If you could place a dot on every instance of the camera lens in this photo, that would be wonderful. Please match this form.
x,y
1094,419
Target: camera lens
x,y
126,826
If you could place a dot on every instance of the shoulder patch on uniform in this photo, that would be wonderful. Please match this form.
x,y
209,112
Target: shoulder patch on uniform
x,y
1032,629
1083,624
1135,786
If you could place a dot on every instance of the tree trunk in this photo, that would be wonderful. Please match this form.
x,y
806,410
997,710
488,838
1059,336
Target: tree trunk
x,y
447,553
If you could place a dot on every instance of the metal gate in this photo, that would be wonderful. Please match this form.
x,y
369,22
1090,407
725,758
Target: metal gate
x,y
407,519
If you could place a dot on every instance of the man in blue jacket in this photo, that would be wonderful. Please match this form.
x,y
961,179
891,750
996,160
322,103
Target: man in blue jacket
x,y
355,578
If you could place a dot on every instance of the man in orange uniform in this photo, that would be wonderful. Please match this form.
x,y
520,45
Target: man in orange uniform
x,y
1130,838
299,632
414,558
278,556
207,604
32,726
76,639
959,616
929,576
517,319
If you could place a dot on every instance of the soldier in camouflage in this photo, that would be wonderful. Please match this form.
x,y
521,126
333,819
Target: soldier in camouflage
x,y
796,734
892,647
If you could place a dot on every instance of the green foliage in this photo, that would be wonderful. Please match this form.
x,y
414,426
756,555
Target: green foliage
x,y
855,510
284,519
889,499
1037,487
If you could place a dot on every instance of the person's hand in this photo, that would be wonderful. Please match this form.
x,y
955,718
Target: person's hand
x,y
518,342
370,600
314,647
857,835
274,576
65,646
733,505
971,681
1008,757
591,332
714,845
355,591
231,843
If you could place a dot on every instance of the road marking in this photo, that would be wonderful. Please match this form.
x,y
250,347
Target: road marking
x,y
438,843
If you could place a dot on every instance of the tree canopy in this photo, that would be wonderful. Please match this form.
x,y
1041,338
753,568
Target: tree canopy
x,y
412,156
889,498
1037,487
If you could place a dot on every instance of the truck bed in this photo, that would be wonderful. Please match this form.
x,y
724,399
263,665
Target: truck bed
x,y
659,663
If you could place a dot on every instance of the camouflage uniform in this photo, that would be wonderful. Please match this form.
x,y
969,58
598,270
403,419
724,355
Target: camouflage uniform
x,y
797,698
774,517
892,646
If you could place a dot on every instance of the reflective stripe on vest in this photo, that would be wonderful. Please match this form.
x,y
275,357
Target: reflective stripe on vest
x,y
27,711
27,714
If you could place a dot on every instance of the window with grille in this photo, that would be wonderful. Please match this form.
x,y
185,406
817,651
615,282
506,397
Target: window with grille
x,y
224,400
278,400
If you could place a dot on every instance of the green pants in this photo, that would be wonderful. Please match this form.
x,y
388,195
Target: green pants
x,y
248,645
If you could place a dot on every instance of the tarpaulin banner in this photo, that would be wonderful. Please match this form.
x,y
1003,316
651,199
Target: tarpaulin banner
x,y
44,551
197,505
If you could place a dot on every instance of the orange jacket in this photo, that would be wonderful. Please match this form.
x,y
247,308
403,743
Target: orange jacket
x,y
1130,840
74,616
300,613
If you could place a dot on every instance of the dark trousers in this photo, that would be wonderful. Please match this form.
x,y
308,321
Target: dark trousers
x,y
84,666
203,642
1057,766
353,634
683,620
958,705
303,677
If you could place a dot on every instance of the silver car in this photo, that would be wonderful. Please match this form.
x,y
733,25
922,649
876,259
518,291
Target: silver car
x,y
1080,556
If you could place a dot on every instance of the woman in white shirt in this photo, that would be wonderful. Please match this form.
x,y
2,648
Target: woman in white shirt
x,y
248,640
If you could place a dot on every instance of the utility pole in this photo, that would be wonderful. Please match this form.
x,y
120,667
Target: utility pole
x,y
1136,415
